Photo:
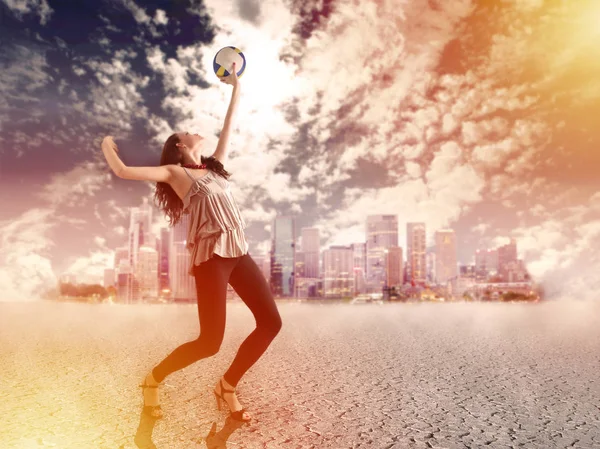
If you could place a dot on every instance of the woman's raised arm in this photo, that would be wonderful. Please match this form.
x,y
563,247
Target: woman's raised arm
x,y
222,147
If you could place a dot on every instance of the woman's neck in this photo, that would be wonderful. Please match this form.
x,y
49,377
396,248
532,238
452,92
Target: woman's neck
x,y
190,160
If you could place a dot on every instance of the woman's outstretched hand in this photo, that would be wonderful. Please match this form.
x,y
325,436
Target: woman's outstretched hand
x,y
232,78
109,144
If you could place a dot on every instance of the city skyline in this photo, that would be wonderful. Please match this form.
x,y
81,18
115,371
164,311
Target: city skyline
x,y
150,266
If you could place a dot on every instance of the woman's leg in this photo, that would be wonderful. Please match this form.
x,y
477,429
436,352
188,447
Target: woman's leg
x,y
249,282
211,288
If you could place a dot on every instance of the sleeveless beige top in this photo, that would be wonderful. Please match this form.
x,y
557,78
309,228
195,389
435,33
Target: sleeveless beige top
x,y
216,225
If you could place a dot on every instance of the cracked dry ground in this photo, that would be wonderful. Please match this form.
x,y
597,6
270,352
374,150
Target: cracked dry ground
x,y
453,375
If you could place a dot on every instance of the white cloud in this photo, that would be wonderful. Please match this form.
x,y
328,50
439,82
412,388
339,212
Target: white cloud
x,y
75,186
24,7
25,268
160,18
139,14
100,241
90,269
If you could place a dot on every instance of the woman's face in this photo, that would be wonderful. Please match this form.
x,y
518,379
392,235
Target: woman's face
x,y
192,141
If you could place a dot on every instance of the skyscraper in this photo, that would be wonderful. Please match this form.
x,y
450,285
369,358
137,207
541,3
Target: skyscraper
x,y
445,255
381,233
146,272
121,254
300,265
394,266
416,265
338,272
183,286
124,282
163,262
431,275
311,248
360,267
486,263
283,243
266,268
507,255
140,222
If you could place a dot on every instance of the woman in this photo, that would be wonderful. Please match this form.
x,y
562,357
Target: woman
x,y
219,255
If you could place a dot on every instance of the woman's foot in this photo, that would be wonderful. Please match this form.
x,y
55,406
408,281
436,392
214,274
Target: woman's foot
x,y
150,391
227,393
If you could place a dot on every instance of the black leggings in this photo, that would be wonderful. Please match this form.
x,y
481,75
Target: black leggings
x,y
248,281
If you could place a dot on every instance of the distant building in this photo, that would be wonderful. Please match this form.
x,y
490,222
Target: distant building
x,y
394,266
283,252
146,272
416,264
266,268
507,254
445,255
360,267
515,271
381,234
300,265
338,272
140,223
121,254
311,249
467,271
125,281
183,286
163,262
431,263
486,263
460,285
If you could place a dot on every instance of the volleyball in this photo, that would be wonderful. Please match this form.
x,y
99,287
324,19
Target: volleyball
x,y
224,59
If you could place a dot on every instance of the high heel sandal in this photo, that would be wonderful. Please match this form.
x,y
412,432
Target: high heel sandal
x,y
238,414
153,411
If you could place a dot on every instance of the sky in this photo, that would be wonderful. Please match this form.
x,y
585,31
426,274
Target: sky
x,y
478,116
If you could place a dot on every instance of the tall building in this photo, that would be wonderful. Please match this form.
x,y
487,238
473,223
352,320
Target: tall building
x,y
507,255
338,272
300,265
266,268
445,255
183,286
163,261
283,251
430,260
381,234
486,263
121,254
146,272
416,264
394,266
311,248
140,226
360,267
125,280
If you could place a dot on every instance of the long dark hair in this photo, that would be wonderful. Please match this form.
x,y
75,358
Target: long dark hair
x,y
164,195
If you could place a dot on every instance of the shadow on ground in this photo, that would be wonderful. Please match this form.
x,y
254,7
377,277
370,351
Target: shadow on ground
x,y
214,440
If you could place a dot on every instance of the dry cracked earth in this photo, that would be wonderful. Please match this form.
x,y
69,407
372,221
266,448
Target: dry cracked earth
x,y
454,375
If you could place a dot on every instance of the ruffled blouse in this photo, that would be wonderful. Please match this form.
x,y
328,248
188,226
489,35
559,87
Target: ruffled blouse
x,y
216,225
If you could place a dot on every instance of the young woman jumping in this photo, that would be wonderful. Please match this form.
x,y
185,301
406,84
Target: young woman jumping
x,y
188,183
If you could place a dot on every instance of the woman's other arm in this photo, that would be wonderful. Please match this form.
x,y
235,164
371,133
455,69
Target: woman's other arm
x,y
162,173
